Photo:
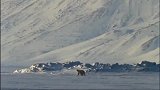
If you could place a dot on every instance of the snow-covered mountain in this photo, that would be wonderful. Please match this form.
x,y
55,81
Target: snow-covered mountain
x,y
108,31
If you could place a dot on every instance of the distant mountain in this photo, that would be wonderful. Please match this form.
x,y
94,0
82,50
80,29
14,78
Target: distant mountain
x,y
124,31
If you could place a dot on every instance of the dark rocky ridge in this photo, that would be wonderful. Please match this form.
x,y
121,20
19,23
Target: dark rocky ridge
x,y
144,66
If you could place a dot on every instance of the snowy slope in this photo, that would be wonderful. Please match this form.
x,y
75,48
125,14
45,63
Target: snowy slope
x,y
87,30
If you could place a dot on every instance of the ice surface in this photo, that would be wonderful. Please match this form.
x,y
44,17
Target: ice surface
x,y
142,81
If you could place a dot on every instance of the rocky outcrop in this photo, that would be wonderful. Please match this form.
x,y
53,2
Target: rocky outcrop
x,y
144,66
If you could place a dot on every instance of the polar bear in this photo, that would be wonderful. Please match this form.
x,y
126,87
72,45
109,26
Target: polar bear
x,y
81,72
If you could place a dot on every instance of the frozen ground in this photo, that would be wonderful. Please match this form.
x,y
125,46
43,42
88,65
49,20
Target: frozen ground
x,y
90,81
